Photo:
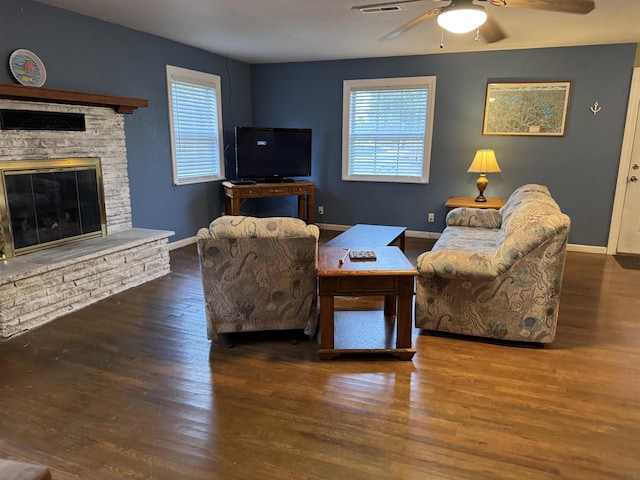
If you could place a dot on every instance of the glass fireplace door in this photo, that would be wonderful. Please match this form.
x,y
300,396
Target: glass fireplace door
x,y
48,206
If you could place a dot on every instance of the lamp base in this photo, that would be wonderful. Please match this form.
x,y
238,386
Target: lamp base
x,y
481,183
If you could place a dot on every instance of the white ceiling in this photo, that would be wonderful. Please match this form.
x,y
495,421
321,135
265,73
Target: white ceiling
x,y
268,31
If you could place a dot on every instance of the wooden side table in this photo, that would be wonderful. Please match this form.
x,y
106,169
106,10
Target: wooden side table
x,y
305,191
469,202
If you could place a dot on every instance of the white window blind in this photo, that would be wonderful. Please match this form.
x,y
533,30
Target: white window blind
x,y
196,126
388,129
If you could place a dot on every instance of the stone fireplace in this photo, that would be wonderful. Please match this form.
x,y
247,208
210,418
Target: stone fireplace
x,y
65,210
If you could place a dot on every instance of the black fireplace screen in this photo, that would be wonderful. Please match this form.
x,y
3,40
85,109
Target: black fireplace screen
x,y
46,206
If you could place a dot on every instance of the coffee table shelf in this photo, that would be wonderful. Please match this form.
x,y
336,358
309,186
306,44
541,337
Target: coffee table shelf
x,y
366,331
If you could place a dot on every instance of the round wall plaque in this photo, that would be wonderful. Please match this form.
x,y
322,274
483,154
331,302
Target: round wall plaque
x,y
27,68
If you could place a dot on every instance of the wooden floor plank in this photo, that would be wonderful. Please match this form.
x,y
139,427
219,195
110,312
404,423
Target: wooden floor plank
x,y
131,388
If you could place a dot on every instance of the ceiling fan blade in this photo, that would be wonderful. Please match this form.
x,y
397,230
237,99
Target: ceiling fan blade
x,y
383,4
490,31
566,6
409,25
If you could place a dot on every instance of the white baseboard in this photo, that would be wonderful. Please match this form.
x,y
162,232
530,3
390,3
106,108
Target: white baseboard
x,y
586,249
333,226
419,234
409,233
434,235
182,243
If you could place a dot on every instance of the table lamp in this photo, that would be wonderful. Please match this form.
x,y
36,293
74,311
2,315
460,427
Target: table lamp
x,y
484,162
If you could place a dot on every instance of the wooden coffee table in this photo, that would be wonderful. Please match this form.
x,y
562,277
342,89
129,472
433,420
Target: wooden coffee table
x,y
391,275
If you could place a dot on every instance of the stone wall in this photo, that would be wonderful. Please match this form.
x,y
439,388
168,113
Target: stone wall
x,y
38,287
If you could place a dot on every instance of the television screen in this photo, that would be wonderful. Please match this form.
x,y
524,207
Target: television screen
x,y
273,153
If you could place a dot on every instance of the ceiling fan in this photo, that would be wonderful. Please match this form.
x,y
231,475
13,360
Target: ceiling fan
x,y
461,16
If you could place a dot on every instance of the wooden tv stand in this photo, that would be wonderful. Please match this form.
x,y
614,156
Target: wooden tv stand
x,y
235,195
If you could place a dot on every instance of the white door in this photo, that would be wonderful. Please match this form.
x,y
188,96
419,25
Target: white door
x,y
629,239
624,236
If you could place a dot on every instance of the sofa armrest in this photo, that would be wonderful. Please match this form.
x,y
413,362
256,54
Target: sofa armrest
x,y
455,264
474,217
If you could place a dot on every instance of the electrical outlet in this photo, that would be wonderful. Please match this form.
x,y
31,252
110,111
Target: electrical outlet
x,y
320,210
432,217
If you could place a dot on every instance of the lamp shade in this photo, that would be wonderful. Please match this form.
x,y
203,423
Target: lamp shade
x,y
484,162
462,19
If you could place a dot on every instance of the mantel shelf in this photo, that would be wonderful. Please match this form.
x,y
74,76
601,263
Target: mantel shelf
x,y
36,94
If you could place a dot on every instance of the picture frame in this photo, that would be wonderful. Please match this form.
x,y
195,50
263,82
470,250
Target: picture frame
x,y
526,108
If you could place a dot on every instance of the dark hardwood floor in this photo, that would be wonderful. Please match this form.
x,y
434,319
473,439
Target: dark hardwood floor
x,y
131,388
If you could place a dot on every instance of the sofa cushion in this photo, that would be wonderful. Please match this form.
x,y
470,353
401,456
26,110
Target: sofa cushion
x,y
477,240
474,217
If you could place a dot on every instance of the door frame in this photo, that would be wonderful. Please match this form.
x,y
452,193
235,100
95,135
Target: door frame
x,y
631,124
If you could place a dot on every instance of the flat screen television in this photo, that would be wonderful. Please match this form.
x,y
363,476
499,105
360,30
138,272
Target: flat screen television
x,y
272,154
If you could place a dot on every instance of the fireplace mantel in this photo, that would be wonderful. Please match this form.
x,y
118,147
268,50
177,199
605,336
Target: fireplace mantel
x,y
37,94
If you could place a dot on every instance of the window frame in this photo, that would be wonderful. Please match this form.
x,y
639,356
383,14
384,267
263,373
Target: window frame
x,y
350,86
202,79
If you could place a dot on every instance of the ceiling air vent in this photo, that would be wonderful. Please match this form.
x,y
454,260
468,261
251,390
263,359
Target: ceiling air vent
x,y
386,8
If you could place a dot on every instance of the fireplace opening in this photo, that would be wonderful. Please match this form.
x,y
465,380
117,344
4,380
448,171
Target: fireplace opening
x,y
48,202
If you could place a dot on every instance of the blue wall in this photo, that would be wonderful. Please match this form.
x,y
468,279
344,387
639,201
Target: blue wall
x,y
84,54
579,168
88,55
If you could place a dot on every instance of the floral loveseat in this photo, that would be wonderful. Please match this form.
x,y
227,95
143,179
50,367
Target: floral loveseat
x,y
258,274
496,273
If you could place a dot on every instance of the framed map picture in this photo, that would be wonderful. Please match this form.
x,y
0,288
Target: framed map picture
x,y
532,109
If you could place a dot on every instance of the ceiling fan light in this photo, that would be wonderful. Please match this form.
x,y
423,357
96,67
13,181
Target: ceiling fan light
x,y
462,20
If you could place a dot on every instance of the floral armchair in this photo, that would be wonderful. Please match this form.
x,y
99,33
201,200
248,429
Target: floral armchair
x,y
258,274
496,274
